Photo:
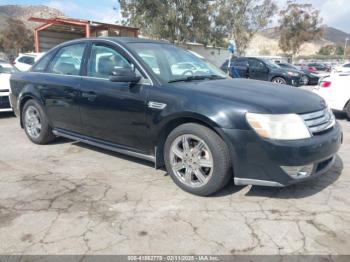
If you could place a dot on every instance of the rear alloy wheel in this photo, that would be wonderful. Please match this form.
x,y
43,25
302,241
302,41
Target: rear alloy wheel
x,y
35,123
279,80
197,159
32,122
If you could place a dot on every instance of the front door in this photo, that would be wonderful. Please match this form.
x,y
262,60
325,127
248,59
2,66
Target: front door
x,y
113,111
60,87
257,70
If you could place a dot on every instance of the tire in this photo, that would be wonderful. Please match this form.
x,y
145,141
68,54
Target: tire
x,y
305,80
347,110
35,123
279,80
206,167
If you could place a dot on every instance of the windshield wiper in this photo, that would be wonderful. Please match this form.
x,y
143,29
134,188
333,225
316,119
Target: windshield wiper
x,y
198,77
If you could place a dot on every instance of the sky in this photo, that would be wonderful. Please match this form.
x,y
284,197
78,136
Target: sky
x,y
335,13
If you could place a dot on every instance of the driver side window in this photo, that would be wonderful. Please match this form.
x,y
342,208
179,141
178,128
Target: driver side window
x,y
105,59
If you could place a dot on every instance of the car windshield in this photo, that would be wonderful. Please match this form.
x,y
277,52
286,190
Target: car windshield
x,y
271,64
172,64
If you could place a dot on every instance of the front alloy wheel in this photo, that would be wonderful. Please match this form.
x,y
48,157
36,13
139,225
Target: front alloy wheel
x,y
197,159
279,80
305,80
191,160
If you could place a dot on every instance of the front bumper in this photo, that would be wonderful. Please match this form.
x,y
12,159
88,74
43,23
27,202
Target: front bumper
x,y
295,81
5,105
313,80
259,161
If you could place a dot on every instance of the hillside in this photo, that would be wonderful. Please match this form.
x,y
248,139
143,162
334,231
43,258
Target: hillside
x,y
266,42
331,34
23,12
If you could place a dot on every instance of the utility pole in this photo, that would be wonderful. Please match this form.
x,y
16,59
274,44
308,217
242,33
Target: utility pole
x,y
346,42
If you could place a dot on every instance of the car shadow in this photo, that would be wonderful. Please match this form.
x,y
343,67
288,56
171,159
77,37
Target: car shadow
x,y
339,115
114,154
229,189
7,115
302,190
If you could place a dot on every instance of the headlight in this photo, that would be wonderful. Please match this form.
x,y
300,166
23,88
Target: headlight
x,y
293,74
282,127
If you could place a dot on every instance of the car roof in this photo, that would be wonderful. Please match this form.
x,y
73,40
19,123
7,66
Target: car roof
x,y
120,40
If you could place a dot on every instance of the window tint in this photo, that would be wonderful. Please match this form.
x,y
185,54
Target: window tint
x,y
254,63
68,60
104,60
41,65
347,65
29,60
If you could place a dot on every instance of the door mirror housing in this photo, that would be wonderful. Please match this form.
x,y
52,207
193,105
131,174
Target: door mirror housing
x,y
124,75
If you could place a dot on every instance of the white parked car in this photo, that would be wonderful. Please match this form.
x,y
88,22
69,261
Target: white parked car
x,y
187,69
335,90
25,61
345,68
6,70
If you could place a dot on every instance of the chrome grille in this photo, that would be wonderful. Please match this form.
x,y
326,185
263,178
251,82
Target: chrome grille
x,y
319,121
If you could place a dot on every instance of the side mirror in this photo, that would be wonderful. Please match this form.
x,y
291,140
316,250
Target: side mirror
x,y
124,75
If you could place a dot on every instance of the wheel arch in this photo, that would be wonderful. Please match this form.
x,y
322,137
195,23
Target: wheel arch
x,y
278,76
24,99
174,122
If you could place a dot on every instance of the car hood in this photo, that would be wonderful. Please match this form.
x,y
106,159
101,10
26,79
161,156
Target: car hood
x,y
259,96
284,71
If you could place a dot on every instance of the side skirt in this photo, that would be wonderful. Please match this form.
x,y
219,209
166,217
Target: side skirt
x,y
111,147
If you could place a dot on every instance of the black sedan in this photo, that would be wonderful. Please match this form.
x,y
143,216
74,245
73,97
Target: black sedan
x,y
262,69
134,96
308,77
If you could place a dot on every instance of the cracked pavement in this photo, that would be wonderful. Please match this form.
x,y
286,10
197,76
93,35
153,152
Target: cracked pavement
x,y
70,198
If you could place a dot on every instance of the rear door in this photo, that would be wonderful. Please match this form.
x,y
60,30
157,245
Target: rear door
x,y
60,85
240,68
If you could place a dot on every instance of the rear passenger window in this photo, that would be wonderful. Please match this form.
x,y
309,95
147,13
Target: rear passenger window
x,y
26,60
68,60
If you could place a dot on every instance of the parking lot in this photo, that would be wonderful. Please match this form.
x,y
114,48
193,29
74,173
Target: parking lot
x,y
69,198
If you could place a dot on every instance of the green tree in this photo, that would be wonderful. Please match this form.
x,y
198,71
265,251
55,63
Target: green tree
x,y
204,21
339,50
327,50
299,23
174,20
241,19
15,37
